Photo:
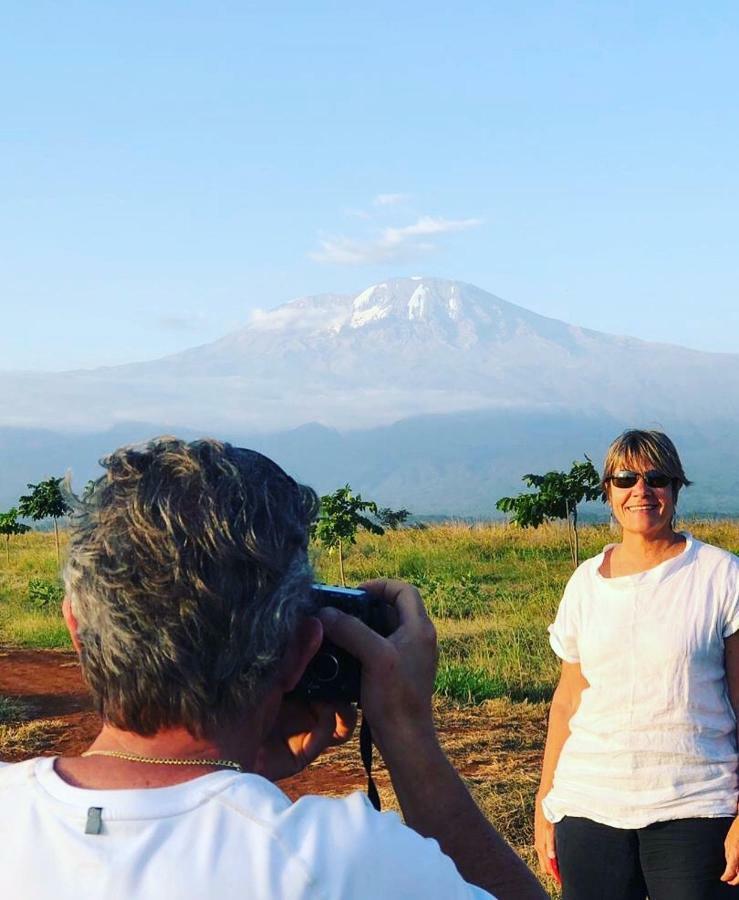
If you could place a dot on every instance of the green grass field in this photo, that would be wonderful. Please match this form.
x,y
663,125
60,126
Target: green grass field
x,y
491,589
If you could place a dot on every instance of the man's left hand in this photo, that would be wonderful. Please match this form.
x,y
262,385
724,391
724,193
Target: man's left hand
x,y
302,730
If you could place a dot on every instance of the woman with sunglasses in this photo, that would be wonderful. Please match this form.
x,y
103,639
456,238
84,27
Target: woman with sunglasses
x,y
639,784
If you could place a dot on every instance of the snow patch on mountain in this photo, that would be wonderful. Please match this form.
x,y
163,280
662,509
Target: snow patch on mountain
x,y
364,312
417,303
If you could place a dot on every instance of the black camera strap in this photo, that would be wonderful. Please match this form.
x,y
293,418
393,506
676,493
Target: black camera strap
x,y
365,750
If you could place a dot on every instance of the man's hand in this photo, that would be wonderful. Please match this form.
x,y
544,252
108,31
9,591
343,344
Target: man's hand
x,y
397,686
397,671
302,731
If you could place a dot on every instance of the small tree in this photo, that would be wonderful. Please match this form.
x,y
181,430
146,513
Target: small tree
x,y
392,518
340,518
10,525
45,502
556,498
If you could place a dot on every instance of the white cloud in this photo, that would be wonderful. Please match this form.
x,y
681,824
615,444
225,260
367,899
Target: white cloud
x,y
390,199
297,316
429,225
392,244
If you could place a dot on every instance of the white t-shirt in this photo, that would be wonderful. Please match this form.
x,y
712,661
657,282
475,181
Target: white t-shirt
x,y
223,835
654,737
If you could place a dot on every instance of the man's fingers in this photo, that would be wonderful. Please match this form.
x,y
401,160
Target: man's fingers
x,y
352,635
321,734
402,596
345,720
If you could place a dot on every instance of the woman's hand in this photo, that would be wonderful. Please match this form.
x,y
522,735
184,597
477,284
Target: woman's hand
x,y
544,843
731,849
302,731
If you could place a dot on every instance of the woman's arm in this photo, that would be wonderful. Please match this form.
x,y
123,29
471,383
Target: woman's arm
x,y
731,844
565,702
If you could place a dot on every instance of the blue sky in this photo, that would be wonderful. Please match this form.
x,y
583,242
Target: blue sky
x,y
167,168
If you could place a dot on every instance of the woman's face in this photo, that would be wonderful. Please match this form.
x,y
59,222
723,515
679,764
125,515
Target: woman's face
x,y
642,509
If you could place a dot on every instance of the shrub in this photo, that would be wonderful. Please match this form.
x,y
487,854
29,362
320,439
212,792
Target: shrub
x,y
460,599
44,594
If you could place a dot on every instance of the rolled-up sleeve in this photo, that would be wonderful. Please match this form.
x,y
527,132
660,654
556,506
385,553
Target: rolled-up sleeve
x,y
563,632
731,604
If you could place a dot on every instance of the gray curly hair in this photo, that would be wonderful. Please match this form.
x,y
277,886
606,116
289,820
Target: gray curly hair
x,y
187,572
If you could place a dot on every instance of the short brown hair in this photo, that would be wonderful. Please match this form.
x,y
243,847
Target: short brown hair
x,y
187,569
636,448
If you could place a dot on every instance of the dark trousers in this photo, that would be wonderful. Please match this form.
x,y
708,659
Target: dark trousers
x,y
678,860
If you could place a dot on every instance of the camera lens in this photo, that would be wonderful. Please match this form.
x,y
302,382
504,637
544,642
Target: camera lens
x,y
325,667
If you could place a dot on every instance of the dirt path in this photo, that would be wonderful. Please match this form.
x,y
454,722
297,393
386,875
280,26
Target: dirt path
x,y
490,745
49,684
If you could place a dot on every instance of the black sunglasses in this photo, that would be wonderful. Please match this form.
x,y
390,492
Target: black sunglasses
x,y
627,479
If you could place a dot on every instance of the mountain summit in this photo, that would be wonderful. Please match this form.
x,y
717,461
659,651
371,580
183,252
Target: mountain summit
x,y
401,348
449,313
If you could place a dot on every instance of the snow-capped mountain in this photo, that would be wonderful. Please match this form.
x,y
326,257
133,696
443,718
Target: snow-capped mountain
x,y
405,347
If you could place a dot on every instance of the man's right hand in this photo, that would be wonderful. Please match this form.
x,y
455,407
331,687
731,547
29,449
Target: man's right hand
x,y
398,671
398,674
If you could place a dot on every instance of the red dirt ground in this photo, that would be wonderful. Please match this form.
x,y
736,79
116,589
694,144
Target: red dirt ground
x,y
49,683
491,744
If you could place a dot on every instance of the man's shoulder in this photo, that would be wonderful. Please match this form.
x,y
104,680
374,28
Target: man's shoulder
x,y
353,813
259,800
18,783
359,847
12,774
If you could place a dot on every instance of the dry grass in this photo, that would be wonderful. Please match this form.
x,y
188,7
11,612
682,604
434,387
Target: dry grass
x,y
29,738
22,736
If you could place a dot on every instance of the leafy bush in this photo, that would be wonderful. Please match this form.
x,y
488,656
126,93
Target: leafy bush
x,y
44,594
459,599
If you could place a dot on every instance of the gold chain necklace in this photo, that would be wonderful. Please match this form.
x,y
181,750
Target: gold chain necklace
x,y
167,760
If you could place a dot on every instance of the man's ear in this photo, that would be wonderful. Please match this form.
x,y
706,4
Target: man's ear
x,y
300,650
71,623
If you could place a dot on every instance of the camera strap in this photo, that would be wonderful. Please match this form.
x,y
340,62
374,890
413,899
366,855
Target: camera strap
x,y
365,750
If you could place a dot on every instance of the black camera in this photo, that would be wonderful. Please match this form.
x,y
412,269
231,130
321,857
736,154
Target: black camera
x,y
334,674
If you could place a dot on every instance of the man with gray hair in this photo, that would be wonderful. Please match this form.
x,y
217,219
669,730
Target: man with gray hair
x,y
188,599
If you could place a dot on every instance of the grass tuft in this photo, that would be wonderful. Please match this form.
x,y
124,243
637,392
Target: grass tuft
x,y
29,738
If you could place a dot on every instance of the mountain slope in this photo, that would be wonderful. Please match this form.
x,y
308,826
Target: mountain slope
x,y
402,348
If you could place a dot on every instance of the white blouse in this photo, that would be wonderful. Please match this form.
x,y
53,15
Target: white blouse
x,y
655,736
